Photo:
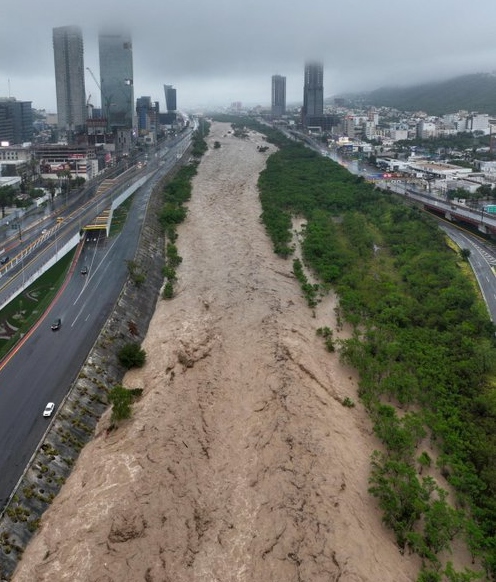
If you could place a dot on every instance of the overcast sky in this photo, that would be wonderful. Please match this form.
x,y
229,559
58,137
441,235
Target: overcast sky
x,y
219,51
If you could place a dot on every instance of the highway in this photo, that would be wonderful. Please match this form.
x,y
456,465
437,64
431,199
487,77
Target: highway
x,y
43,367
482,260
43,240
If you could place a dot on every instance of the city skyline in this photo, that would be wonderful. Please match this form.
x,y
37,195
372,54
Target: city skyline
x,y
215,54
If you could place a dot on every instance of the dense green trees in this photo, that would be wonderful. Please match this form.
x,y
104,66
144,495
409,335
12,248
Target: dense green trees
x,y
176,193
423,341
199,145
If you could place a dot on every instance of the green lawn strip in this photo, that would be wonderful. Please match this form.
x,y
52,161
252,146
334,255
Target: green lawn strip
x,y
21,314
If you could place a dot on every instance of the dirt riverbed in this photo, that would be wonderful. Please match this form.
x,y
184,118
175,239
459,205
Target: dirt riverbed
x,y
240,462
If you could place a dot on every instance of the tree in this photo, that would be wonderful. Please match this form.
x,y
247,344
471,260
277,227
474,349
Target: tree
x,y
168,291
485,191
466,576
401,496
65,177
50,185
442,523
424,461
7,197
429,576
458,193
172,214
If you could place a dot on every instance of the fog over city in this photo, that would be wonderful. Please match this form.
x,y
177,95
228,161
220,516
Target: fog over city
x,y
221,51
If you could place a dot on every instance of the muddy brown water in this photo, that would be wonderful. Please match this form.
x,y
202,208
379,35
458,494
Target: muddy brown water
x,y
240,462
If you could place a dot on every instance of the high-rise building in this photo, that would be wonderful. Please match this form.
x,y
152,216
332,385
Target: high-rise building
x,y
148,115
278,95
69,78
116,78
170,98
143,107
313,91
169,118
16,121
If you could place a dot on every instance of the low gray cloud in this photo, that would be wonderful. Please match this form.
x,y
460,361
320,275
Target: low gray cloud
x,y
221,51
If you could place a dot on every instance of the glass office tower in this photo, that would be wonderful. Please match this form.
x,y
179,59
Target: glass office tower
x,y
278,95
116,78
69,78
313,90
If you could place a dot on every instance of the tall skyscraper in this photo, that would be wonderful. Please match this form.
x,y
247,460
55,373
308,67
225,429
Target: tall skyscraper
x,y
313,90
68,54
278,95
170,98
116,78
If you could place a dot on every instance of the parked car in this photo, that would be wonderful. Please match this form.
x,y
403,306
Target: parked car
x,y
56,324
49,409
4,260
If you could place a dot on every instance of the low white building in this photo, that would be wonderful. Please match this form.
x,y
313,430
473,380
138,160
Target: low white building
x,y
399,134
468,185
14,155
478,122
14,181
392,164
426,129
487,167
429,169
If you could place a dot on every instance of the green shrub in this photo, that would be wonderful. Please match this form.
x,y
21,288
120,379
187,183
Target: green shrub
x,y
169,273
168,291
135,273
173,257
132,355
121,399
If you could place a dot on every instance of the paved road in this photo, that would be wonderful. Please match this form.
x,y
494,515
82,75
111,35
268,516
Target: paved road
x,y
47,363
482,260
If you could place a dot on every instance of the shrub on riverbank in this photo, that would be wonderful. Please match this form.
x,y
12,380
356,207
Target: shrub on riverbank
x,y
176,193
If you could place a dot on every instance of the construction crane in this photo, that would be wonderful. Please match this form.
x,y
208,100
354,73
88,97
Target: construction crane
x,y
106,98
89,108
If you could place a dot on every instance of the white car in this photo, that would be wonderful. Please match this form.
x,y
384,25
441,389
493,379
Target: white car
x,y
49,409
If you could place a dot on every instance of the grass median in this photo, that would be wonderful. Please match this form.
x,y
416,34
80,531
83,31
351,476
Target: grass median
x,y
22,313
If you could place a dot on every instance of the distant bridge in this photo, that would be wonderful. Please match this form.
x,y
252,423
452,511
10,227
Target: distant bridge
x,y
478,218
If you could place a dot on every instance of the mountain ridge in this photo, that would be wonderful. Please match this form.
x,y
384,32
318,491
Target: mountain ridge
x,y
474,92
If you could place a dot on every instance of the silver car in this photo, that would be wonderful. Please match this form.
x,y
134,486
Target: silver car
x,y
49,409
